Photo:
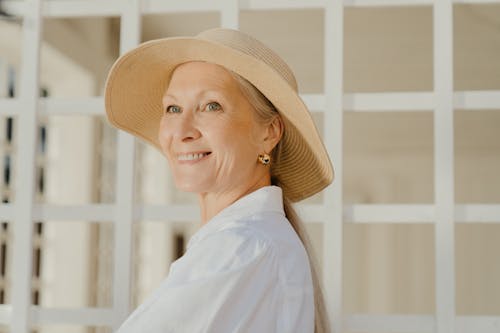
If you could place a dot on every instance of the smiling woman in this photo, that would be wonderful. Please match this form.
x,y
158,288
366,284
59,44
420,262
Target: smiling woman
x,y
210,136
224,110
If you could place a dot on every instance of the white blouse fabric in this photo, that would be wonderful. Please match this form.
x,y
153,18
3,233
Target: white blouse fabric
x,y
245,270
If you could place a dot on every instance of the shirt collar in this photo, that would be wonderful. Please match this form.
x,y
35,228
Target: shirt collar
x,y
265,199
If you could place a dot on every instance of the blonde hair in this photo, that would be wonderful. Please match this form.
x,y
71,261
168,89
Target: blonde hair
x,y
266,113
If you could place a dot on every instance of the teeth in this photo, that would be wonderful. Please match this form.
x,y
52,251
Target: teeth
x,y
191,157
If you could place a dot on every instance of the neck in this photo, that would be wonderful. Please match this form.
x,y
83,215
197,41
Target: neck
x,y
212,203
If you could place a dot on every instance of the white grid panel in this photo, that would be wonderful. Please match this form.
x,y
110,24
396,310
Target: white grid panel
x,y
124,212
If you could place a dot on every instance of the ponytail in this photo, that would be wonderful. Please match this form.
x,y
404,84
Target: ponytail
x,y
321,322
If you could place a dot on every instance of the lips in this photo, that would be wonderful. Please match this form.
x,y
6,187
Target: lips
x,y
192,156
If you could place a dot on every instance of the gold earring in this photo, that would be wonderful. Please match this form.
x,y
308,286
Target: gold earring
x,y
265,159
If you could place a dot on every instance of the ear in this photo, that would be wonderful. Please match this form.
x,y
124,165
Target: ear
x,y
273,134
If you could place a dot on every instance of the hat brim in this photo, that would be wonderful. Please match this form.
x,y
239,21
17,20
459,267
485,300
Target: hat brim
x,y
138,79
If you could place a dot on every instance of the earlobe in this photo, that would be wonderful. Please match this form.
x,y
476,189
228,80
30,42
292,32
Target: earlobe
x,y
264,159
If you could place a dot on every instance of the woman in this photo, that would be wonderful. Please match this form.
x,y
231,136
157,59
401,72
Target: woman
x,y
224,110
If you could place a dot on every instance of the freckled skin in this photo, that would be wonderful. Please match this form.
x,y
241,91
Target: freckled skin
x,y
205,111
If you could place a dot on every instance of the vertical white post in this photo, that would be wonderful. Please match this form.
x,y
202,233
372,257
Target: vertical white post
x,y
230,14
443,167
333,120
125,202
25,171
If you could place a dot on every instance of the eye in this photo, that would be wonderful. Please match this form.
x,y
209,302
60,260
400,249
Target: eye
x,y
213,106
173,109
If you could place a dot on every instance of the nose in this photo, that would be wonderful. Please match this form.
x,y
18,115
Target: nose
x,y
187,129
178,128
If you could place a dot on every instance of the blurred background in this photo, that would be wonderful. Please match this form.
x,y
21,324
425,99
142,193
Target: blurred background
x,y
387,157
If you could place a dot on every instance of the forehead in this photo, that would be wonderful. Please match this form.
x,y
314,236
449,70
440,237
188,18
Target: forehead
x,y
202,75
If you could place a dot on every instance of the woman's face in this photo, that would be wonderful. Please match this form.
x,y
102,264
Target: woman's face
x,y
209,133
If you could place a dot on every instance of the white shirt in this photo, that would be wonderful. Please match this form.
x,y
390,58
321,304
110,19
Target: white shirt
x,y
245,270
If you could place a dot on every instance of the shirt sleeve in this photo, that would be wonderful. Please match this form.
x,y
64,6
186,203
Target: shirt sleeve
x,y
226,282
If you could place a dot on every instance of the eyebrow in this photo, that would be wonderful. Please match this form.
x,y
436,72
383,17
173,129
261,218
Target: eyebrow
x,y
168,96
204,93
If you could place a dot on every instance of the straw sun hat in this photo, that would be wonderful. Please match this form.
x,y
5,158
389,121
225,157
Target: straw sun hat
x,y
138,79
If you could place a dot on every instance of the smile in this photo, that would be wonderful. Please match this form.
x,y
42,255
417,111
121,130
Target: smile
x,y
191,156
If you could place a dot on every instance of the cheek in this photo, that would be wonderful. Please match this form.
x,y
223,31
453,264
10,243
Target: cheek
x,y
164,137
240,144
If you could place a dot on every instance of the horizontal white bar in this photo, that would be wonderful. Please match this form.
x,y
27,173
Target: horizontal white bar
x,y
79,8
64,8
482,213
79,316
280,4
73,106
476,100
384,3
406,101
311,212
417,213
60,106
314,102
10,106
14,7
82,8
418,323
396,101
385,213
476,1
389,323
357,213
7,213
476,324
162,6
177,213
90,213
284,4
5,313
356,322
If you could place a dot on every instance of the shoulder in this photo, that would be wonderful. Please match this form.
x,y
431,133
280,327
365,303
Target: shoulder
x,y
237,236
264,241
292,257
231,249
256,231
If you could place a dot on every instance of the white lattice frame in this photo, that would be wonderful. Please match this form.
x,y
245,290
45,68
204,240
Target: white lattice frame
x,y
443,100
